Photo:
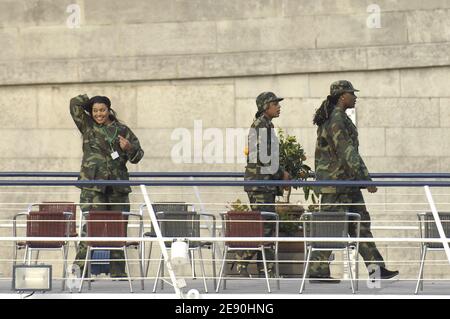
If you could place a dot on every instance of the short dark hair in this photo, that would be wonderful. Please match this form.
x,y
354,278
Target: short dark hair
x,y
96,99
103,100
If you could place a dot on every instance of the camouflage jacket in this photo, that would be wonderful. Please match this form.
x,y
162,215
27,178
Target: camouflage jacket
x,y
253,171
97,162
337,156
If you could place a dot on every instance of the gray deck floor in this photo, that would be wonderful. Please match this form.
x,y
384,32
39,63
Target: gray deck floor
x,y
242,288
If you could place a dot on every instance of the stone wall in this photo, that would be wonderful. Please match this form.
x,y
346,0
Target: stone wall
x,y
167,63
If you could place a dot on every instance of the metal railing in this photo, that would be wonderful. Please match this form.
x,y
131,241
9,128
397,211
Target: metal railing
x,y
210,174
168,181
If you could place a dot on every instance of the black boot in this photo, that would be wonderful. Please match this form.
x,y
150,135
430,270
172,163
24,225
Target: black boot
x,y
383,273
315,279
388,274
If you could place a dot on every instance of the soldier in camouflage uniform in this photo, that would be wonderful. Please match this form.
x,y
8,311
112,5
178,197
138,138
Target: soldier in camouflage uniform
x,y
107,146
337,158
263,197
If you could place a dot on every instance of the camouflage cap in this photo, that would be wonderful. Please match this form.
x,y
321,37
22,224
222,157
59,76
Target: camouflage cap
x,y
265,98
340,87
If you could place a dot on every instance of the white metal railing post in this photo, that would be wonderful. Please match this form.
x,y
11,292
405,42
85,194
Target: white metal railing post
x,y
161,242
438,222
218,252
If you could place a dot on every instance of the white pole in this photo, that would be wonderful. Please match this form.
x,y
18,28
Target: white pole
x,y
218,252
438,222
162,245
197,195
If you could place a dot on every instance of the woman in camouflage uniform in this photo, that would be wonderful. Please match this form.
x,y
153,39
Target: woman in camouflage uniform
x,y
262,135
107,146
337,158
263,143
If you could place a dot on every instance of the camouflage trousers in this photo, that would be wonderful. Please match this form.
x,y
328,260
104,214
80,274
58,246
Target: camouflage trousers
x,y
368,251
90,198
244,257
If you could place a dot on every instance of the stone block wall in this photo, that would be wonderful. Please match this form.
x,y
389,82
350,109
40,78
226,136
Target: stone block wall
x,y
168,63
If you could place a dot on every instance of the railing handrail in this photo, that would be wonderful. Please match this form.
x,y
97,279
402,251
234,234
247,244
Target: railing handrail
x,y
209,174
294,183
132,174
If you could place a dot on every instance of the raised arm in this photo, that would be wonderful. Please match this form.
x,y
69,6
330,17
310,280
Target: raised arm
x,y
77,112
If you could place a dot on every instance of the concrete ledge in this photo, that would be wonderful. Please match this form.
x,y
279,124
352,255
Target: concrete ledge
x,y
102,12
391,57
223,65
346,7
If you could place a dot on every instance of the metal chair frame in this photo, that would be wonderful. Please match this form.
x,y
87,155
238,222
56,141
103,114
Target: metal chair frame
x,y
428,229
179,207
342,246
72,227
194,221
262,217
63,246
157,207
90,247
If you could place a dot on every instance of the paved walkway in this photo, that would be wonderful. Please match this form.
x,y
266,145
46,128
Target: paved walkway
x,y
241,288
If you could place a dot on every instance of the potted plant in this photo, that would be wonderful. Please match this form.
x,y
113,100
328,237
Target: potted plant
x,y
292,159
